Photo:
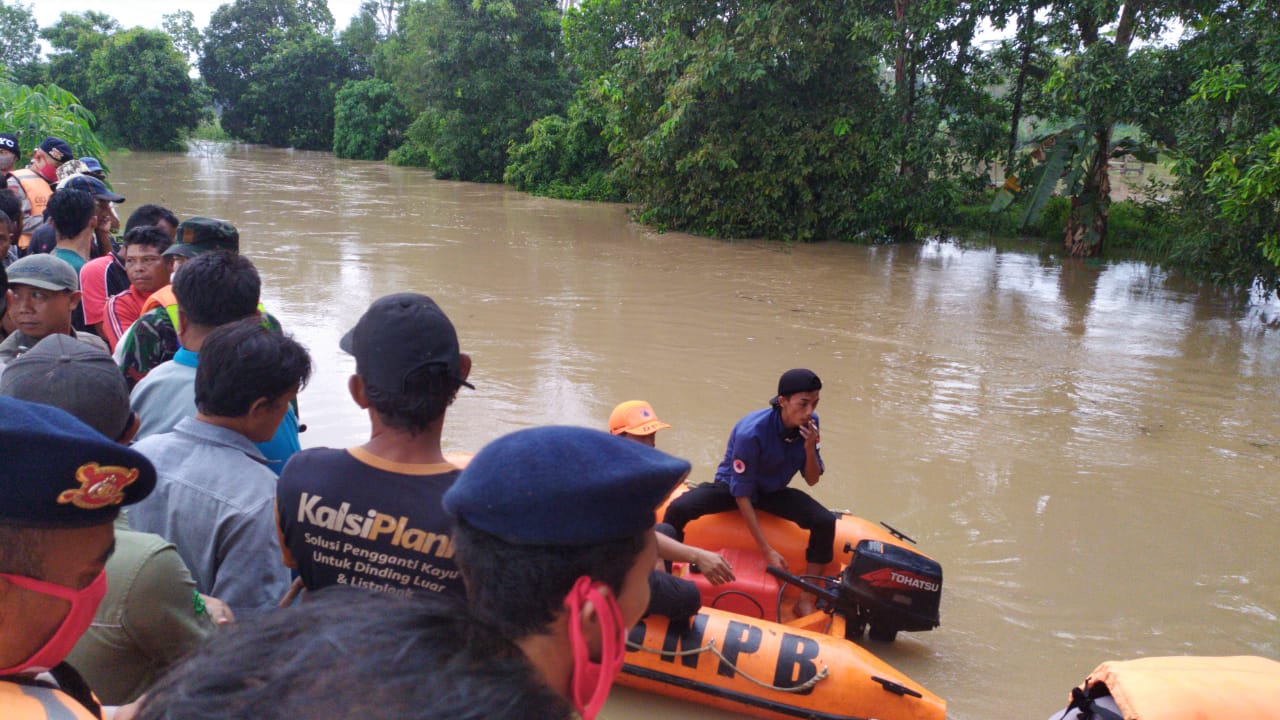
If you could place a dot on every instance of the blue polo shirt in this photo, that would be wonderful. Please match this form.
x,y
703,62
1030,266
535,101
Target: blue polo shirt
x,y
762,455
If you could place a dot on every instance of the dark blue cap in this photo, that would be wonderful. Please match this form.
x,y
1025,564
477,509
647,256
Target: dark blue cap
x,y
91,185
58,472
9,142
92,165
57,149
798,380
560,485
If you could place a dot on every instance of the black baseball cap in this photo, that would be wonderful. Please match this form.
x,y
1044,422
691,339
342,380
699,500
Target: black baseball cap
x,y
399,334
798,380
9,142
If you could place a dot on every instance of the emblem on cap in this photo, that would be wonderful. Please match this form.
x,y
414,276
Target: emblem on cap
x,y
100,486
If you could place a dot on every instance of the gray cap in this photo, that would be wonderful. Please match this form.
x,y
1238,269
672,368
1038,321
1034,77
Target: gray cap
x,y
75,376
44,271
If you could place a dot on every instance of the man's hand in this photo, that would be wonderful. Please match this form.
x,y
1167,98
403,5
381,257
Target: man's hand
x,y
218,611
775,559
809,431
714,567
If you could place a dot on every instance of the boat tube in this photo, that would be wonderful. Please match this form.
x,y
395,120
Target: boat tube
x,y
1178,688
765,669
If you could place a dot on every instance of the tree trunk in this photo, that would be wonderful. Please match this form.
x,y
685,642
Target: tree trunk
x,y
1087,221
902,80
1024,38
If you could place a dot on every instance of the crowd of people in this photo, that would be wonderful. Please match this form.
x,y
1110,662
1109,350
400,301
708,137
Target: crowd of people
x,y
251,578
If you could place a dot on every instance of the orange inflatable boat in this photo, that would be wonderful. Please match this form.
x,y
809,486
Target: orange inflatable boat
x,y
1178,688
734,655
885,584
764,669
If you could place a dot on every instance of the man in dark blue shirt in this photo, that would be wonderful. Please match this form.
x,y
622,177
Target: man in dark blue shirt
x,y
765,450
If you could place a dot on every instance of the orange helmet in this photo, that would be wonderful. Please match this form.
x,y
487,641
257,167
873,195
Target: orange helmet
x,y
635,417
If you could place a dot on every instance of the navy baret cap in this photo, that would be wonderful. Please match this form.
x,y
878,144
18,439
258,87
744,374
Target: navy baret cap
x,y
559,485
57,149
58,472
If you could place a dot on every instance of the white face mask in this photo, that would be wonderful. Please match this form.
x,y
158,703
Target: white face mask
x,y
7,161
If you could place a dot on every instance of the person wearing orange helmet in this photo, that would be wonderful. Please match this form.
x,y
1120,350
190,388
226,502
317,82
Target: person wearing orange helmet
x,y
669,595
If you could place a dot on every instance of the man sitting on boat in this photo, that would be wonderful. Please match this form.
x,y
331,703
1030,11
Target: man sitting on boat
x,y
669,596
766,449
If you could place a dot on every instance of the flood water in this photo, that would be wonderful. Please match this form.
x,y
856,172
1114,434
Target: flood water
x,y
1091,451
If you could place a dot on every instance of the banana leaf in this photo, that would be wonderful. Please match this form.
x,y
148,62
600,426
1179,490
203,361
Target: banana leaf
x,y
1054,163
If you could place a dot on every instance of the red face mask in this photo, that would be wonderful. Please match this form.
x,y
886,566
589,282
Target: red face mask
x,y
591,680
49,172
84,603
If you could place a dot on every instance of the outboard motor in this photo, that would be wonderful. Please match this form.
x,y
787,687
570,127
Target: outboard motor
x,y
889,588
885,587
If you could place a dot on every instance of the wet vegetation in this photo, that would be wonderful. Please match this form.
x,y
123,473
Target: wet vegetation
x,y
796,121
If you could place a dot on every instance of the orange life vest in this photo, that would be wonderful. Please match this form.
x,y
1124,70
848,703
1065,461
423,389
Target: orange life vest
x,y
38,193
36,702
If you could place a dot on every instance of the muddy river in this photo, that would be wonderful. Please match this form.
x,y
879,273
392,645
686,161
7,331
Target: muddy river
x,y
1092,451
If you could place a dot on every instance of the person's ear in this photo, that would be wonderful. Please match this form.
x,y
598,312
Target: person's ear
x,y
355,386
589,621
75,299
260,406
464,365
130,430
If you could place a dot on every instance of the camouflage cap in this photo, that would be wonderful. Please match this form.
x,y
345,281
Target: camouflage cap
x,y
199,235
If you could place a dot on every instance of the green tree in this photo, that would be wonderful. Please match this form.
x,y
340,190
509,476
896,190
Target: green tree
x,y
752,120
942,125
290,101
143,110
567,156
1226,144
359,40
74,38
368,120
1101,83
181,27
45,110
239,40
19,47
482,71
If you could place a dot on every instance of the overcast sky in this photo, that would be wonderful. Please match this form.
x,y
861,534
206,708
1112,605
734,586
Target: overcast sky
x,y
147,13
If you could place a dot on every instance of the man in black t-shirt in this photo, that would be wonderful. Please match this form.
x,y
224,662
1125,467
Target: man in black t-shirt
x,y
370,516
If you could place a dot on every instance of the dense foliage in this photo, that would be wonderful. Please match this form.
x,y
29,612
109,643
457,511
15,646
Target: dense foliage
x,y
146,110
239,57
368,120
1227,145
796,120
477,73
44,110
19,44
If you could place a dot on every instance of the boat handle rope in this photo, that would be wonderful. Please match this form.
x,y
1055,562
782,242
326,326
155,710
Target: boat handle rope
x,y
711,648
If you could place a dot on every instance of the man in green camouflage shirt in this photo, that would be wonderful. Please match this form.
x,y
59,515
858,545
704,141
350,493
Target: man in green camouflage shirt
x,y
153,338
